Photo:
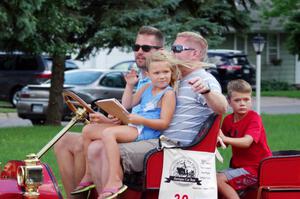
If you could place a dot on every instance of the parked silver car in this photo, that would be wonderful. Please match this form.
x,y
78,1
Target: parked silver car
x,y
125,66
89,84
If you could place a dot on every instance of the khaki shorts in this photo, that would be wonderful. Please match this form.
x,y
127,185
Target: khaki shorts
x,y
133,153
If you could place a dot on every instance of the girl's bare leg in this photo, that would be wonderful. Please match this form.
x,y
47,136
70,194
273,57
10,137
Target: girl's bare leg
x,y
111,137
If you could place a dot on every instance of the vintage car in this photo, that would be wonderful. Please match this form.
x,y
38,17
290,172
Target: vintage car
x,y
279,175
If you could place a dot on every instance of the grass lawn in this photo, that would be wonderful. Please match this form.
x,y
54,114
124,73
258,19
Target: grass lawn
x,y
6,107
291,94
17,142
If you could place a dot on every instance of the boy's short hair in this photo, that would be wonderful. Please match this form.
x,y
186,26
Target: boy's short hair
x,y
238,85
150,30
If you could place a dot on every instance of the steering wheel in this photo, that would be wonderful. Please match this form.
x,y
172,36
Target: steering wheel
x,y
72,100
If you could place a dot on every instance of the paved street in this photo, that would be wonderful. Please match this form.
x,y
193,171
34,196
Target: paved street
x,y
269,105
279,105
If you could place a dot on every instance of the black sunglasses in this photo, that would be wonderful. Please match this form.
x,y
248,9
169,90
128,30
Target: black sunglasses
x,y
180,48
145,48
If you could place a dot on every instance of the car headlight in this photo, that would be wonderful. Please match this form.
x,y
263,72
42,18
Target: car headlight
x,y
30,176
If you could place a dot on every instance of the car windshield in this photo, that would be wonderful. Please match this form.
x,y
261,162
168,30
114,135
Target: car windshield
x,y
81,77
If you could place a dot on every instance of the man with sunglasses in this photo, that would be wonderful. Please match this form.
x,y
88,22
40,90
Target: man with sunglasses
x,y
148,40
69,149
199,95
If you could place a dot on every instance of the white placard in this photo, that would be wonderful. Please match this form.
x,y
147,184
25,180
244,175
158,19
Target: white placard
x,y
188,175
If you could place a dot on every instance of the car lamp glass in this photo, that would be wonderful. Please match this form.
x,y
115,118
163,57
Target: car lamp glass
x,y
30,177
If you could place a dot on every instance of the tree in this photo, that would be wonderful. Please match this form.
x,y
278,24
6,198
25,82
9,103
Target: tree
x,y
288,12
44,26
64,26
118,21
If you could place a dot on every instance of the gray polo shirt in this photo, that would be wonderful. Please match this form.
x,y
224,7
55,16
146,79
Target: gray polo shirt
x,y
191,108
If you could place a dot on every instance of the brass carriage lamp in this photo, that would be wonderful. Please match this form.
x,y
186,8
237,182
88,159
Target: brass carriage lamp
x,y
30,176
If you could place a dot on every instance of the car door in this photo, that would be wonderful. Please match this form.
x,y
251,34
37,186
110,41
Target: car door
x,y
111,85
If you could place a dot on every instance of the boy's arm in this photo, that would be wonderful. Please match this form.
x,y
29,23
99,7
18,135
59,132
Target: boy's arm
x,y
168,104
243,142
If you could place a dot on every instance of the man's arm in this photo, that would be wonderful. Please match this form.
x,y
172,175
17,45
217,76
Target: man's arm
x,y
215,100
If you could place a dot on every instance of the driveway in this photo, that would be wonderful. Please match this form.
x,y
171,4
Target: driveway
x,y
269,105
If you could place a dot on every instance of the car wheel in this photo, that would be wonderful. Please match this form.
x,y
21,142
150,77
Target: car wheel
x,y
14,96
37,121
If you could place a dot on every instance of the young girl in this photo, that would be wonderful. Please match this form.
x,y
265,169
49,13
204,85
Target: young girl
x,y
153,108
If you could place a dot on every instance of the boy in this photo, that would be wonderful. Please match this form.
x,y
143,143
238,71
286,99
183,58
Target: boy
x,y
244,131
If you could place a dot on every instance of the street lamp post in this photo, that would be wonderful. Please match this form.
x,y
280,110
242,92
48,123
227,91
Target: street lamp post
x,y
258,44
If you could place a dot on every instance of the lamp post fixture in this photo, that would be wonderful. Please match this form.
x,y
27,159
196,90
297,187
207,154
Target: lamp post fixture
x,y
258,44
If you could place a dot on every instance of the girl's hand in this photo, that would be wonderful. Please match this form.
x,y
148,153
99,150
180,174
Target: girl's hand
x,y
114,120
131,77
97,118
135,119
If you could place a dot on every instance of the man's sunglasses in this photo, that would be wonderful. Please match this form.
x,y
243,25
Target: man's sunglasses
x,y
145,48
180,48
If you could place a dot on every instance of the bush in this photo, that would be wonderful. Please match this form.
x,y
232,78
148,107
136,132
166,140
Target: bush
x,y
274,85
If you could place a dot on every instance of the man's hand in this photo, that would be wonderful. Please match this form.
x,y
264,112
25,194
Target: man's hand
x,y
199,86
131,77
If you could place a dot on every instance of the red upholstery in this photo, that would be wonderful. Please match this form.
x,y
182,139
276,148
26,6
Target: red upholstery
x,y
279,177
205,141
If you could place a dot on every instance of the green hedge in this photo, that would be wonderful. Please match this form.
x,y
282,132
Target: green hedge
x,y
274,85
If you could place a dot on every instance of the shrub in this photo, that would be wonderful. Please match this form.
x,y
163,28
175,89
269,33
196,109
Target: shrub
x,y
274,85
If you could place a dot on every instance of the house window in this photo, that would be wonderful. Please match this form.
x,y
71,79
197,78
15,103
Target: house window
x,y
273,49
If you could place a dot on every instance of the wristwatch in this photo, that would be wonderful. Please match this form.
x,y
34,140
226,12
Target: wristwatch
x,y
206,91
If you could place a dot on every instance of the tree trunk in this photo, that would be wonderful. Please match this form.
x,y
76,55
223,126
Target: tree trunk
x,y
55,105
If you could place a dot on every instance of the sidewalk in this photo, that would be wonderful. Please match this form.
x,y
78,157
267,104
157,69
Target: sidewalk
x,y
8,115
12,119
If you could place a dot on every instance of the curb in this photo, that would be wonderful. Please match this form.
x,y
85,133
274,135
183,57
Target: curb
x,y
8,115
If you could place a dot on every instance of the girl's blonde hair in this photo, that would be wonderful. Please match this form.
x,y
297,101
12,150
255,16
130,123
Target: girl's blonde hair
x,y
163,55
